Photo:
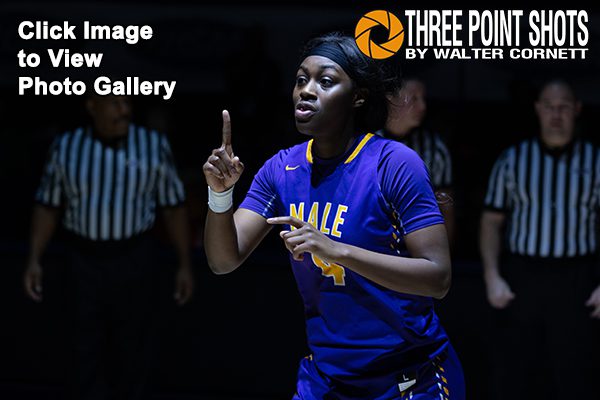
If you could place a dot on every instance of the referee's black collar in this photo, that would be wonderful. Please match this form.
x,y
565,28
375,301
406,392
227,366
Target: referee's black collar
x,y
115,143
557,152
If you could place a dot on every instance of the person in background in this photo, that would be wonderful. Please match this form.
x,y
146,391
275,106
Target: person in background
x,y
539,250
106,183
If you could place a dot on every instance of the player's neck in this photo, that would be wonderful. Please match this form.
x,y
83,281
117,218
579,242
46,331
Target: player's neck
x,y
326,147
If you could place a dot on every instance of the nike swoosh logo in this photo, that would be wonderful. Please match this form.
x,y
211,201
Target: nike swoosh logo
x,y
288,168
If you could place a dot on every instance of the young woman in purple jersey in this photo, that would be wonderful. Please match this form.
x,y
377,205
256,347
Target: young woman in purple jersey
x,y
368,246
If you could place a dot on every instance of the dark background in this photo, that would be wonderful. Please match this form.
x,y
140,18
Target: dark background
x,y
243,334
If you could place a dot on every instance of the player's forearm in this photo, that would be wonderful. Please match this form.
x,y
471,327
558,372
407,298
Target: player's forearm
x,y
417,276
178,229
490,241
221,243
43,224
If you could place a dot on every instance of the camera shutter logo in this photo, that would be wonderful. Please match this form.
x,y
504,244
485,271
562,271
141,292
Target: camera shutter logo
x,y
387,20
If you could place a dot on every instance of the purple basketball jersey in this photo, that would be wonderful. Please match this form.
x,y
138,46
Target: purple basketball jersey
x,y
371,197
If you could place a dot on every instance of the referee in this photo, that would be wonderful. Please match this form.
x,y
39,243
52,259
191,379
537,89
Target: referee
x,y
406,111
541,216
106,182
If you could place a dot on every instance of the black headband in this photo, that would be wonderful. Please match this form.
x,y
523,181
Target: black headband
x,y
335,53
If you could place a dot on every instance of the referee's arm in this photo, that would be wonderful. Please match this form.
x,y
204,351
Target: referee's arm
x,y
45,218
490,243
171,197
178,229
43,225
491,230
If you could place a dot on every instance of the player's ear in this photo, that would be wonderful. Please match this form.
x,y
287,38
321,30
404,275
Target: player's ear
x,y
360,97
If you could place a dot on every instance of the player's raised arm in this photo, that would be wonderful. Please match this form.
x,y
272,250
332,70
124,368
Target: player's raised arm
x,y
228,237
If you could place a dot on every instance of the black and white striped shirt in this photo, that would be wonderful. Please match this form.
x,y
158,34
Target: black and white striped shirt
x,y
110,193
434,153
551,199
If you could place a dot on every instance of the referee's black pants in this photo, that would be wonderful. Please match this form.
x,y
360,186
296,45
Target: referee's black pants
x,y
115,301
546,344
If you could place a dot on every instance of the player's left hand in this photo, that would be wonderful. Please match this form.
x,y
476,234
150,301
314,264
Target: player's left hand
x,y
184,285
307,239
594,301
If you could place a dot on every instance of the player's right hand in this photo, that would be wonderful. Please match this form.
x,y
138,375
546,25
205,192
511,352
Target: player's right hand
x,y
32,281
498,292
223,169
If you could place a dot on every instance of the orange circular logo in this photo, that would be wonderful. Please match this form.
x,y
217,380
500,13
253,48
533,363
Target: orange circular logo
x,y
362,34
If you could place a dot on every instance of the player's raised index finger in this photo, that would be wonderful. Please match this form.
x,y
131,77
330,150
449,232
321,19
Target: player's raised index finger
x,y
292,221
226,129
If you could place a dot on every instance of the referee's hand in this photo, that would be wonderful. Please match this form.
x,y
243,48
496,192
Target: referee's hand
x,y
594,302
498,292
32,281
223,169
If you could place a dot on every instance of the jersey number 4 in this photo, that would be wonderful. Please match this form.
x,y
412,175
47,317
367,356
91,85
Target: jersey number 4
x,y
335,271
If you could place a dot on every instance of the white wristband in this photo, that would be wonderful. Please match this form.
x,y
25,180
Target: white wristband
x,y
220,202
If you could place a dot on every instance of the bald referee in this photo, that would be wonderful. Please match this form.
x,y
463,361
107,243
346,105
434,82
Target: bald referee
x,y
541,214
106,183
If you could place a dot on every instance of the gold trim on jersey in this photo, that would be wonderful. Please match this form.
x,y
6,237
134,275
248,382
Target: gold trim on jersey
x,y
309,151
351,157
358,148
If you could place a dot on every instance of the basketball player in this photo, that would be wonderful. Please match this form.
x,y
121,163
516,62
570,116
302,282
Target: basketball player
x,y
368,246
